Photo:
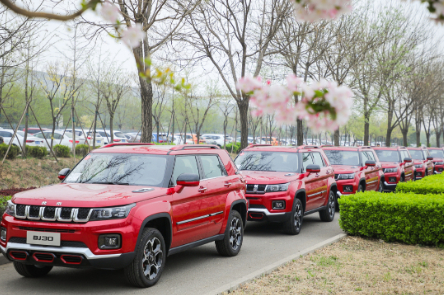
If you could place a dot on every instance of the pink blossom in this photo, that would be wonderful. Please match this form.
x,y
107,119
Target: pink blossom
x,y
133,35
248,83
109,12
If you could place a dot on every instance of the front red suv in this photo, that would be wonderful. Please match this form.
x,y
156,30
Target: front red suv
x,y
357,169
128,206
286,183
438,159
397,165
423,162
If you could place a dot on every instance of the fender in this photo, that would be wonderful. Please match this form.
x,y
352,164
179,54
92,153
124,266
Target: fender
x,y
227,212
332,186
152,217
304,203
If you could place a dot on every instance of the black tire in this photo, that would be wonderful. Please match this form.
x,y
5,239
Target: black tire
x,y
293,225
402,178
31,271
234,236
381,186
328,214
153,242
360,188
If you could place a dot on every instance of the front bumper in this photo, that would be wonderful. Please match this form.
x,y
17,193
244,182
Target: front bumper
x,y
438,169
419,173
260,207
346,187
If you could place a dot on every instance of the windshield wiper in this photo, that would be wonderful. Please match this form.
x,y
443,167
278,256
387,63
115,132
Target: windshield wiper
x,y
108,182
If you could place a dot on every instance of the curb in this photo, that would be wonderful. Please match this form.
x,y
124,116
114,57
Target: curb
x,y
227,288
3,259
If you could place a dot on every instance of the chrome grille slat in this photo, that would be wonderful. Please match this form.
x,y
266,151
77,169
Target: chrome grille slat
x,y
62,214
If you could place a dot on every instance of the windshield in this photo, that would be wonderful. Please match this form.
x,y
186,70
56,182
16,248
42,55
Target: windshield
x,y
342,157
388,156
417,155
118,134
268,161
436,153
132,169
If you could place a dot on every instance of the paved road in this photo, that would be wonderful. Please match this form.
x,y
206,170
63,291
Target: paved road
x,y
196,271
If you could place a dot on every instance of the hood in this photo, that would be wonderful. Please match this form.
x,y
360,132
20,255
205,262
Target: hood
x,y
263,177
390,164
417,162
345,169
86,195
437,160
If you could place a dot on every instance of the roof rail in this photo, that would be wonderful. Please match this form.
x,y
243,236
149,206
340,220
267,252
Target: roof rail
x,y
125,144
367,147
194,146
258,144
327,145
308,147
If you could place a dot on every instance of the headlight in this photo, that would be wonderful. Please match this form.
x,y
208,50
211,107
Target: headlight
x,y
111,213
277,187
418,166
390,170
439,163
346,176
10,208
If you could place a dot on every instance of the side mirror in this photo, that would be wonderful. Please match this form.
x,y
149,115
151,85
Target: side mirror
x,y
407,160
188,179
63,173
430,158
370,163
312,168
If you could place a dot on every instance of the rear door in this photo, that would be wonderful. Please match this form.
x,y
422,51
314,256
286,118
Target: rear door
x,y
190,211
429,164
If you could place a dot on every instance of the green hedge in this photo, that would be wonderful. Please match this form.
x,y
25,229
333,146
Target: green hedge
x,y
235,146
13,151
61,150
433,184
3,202
38,152
82,149
402,217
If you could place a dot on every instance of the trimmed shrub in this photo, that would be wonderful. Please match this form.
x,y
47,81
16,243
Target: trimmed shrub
x,y
61,150
82,149
433,184
3,202
235,146
38,152
403,217
13,151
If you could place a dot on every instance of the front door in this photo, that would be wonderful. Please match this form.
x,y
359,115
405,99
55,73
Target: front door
x,y
371,172
313,184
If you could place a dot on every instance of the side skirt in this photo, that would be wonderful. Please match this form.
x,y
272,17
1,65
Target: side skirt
x,y
195,244
315,210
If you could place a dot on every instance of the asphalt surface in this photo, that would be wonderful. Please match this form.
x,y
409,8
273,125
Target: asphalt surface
x,y
196,271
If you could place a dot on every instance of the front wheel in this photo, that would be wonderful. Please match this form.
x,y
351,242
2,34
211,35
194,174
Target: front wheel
x,y
293,225
233,237
149,262
328,214
31,271
381,186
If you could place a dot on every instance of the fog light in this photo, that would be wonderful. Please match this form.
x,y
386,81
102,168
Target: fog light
x,y
348,188
3,234
278,205
110,241
392,179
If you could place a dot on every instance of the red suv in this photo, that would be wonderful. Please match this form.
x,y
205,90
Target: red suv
x,y
396,164
128,206
438,159
286,183
423,162
357,169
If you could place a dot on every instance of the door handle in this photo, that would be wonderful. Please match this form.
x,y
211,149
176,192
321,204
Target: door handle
x,y
227,184
202,189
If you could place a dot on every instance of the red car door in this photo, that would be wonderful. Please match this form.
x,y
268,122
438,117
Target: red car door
x,y
371,172
313,186
189,206
322,180
408,167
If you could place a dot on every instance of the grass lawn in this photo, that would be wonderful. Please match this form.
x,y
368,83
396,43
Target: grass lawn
x,y
357,266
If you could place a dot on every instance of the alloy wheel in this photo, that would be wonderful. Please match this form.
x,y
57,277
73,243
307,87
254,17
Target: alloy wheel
x,y
152,258
297,216
235,233
331,205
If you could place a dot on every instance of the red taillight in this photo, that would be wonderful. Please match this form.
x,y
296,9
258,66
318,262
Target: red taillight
x,y
29,140
116,140
76,141
89,137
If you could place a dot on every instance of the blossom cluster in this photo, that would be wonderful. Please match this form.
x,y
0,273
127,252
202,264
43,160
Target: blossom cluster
x,y
316,10
323,105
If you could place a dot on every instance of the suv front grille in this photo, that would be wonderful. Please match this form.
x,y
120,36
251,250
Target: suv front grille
x,y
75,244
256,188
64,214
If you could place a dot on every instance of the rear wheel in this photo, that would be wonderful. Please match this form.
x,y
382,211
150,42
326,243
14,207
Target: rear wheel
x,y
293,225
234,236
31,271
328,214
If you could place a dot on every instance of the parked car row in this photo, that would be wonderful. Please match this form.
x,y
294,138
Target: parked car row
x,y
131,205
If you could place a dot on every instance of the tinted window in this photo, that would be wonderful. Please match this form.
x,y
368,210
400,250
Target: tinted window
x,y
426,153
268,161
5,134
437,153
133,169
388,155
342,157
211,167
118,134
318,159
307,160
365,157
371,156
39,135
405,154
417,155
184,164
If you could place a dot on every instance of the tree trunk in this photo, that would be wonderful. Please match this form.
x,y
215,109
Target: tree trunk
x,y
404,136
243,116
111,129
73,129
388,137
25,151
94,129
336,137
157,130
299,132
438,135
418,137
366,128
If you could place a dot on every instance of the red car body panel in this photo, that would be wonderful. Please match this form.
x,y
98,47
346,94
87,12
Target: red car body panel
x,y
405,169
438,168
426,165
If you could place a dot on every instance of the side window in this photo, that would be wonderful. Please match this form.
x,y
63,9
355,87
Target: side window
x,y
318,159
4,134
306,160
370,156
364,158
212,166
39,135
57,136
426,154
184,164
404,155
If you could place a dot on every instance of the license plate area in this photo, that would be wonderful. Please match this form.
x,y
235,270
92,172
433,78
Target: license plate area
x,y
43,238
